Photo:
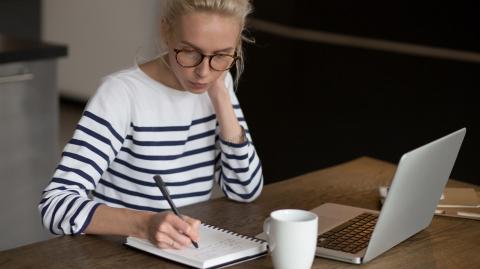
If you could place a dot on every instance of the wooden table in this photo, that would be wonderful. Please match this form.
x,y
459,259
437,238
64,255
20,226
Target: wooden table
x,y
446,243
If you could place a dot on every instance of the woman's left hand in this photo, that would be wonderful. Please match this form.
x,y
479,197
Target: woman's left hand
x,y
218,88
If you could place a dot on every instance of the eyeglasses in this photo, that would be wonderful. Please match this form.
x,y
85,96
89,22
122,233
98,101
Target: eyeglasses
x,y
192,58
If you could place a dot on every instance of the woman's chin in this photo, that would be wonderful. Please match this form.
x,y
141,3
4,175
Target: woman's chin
x,y
197,91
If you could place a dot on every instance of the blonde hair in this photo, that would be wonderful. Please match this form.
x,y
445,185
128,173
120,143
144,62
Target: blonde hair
x,y
170,10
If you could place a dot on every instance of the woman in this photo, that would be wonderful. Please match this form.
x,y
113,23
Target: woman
x,y
176,116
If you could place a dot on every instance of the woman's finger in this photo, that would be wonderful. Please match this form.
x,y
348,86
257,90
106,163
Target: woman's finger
x,y
194,224
177,229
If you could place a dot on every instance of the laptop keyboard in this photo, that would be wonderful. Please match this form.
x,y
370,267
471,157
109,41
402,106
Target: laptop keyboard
x,y
351,236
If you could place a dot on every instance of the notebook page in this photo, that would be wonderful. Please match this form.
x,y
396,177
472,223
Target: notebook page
x,y
219,246
216,247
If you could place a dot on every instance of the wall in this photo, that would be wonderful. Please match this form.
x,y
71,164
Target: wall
x,y
102,36
20,18
356,78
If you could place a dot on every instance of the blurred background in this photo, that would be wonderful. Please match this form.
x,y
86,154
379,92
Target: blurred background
x,y
328,81
325,82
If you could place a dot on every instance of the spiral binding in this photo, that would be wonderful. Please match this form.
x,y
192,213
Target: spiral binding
x,y
253,239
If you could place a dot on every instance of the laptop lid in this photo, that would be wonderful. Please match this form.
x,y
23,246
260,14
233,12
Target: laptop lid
x,y
416,188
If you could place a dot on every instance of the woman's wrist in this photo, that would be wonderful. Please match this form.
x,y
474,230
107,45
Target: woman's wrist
x,y
141,222
235,139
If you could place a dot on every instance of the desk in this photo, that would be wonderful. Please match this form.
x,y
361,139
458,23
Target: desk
x,y
447,243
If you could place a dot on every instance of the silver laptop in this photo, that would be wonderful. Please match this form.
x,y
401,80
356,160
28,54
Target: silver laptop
x,y
358,235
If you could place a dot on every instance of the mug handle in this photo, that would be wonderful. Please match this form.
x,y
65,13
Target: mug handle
x,y
266,226
266,230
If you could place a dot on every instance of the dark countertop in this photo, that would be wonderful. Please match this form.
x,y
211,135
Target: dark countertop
x,y
17,50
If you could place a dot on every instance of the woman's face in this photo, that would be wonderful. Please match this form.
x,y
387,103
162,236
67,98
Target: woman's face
x,y
206,32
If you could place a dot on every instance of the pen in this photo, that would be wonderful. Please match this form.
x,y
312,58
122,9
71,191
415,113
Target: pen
x,y
163,188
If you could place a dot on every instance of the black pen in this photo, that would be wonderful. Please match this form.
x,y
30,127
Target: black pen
x,y
163,188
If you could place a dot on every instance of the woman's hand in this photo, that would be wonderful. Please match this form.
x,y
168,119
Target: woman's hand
x,y
167,230
218,88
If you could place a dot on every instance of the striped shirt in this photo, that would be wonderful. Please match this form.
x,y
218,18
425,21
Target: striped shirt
x,y
134,128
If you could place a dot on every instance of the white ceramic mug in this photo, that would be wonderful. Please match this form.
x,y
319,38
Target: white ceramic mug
x,y
292,238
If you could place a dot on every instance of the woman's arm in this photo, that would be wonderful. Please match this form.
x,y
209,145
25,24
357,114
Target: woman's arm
x,y
238,169
230,129
66,206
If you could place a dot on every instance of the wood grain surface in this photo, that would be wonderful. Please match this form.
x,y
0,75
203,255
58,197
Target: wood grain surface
x,y
446,243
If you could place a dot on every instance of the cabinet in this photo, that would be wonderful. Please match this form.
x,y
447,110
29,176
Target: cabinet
x,y
28,138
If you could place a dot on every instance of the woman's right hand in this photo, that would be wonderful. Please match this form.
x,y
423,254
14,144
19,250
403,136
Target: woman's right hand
x,y
167,230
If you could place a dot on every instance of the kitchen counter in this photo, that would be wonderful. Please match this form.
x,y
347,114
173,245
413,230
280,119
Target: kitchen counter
x,y
18,50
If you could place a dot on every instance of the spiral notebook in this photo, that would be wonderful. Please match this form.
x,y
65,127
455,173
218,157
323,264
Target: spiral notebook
x,y
217,248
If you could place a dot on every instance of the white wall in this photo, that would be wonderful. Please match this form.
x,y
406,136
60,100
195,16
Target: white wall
x,y
102,36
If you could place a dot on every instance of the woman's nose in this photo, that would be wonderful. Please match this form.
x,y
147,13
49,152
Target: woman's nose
x,y
203,68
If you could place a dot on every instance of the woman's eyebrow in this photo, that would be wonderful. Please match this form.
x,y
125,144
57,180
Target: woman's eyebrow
x,y
197,48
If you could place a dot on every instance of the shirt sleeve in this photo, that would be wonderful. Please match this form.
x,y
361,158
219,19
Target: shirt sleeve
x,y
66,206
238,167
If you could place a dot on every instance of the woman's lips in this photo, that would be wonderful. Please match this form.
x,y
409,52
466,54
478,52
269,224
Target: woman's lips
x,y
198,85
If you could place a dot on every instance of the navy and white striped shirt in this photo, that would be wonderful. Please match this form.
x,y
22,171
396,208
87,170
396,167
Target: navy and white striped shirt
x,y
134,128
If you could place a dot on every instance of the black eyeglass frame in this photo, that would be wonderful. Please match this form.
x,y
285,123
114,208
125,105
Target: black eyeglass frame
x,y
210,57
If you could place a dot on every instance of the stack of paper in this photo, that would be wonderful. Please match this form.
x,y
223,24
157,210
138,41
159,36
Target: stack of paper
x,y
459,197
459,202
454,202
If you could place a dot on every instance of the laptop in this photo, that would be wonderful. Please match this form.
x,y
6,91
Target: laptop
x,y
358,235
